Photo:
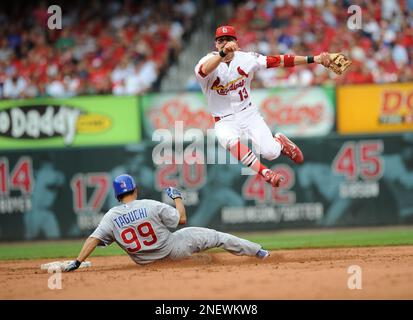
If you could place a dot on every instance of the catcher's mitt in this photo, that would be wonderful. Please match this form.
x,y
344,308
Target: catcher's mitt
x,y
339,63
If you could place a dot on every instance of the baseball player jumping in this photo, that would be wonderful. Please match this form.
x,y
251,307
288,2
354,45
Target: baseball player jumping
x,y
140,227
225,77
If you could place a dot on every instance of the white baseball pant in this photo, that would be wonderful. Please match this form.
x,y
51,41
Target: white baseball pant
x,y
250,124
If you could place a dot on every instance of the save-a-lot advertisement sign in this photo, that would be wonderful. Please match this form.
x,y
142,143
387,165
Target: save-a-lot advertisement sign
x,y
80,121
297,112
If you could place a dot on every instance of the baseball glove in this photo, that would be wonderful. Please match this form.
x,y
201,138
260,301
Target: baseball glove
x,y
339,63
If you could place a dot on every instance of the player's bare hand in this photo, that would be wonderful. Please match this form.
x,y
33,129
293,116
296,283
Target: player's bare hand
x,y
323,58
230,47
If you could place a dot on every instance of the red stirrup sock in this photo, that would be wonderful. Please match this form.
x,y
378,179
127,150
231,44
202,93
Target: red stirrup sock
x,y
247,157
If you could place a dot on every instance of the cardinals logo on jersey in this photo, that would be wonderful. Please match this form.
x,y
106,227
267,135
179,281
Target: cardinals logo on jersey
x,y
232,85
242,72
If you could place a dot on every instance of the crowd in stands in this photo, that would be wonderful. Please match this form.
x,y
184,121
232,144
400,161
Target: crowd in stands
x,y
124,47
104,47
381,45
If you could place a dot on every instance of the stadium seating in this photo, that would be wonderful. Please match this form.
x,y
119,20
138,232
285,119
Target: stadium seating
x,y
125,47
382,49
104,47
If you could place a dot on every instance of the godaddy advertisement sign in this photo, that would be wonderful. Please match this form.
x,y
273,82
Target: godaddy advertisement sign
x,y
73,122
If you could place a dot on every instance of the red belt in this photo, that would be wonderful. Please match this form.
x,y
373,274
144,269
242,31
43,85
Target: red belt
x,y
220,118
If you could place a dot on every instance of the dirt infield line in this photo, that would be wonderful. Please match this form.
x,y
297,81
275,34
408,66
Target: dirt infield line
x,y
386,273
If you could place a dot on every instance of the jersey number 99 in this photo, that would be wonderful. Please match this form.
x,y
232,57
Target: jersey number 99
x,y
130,237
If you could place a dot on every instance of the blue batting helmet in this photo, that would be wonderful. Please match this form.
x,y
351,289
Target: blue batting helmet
x,y
123,184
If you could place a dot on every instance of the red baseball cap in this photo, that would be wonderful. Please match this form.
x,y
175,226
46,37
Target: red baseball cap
x,y
225,31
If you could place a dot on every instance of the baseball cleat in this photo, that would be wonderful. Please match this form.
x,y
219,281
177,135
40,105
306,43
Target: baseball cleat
x,y
262,254
273,178
289,148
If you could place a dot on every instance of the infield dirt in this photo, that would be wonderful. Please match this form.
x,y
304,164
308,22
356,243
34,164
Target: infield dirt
x,y
386,273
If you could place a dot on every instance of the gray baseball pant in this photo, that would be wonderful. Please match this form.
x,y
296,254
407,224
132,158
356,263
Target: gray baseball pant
x,y
189,240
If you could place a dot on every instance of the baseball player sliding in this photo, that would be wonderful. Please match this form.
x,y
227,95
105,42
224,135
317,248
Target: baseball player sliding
x,y
140,227
225,77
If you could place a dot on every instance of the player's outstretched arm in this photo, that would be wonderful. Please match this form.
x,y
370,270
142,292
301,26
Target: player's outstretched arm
x,y
179,204
176,196
88,247
287,60
336,62
322,58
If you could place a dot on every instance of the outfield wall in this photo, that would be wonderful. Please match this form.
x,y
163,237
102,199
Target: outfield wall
x,y
345,181
58,158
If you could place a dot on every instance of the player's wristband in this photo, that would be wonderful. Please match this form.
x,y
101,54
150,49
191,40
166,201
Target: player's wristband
x,y
310,59
77,263
222,53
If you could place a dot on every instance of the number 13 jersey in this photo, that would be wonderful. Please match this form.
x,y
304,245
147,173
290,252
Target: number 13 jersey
x,y
227,88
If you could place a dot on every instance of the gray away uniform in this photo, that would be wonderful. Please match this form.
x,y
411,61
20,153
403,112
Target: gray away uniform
x,y
140,227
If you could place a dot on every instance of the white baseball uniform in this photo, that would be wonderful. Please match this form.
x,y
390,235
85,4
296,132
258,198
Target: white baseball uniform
x,y
140,227
227,90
